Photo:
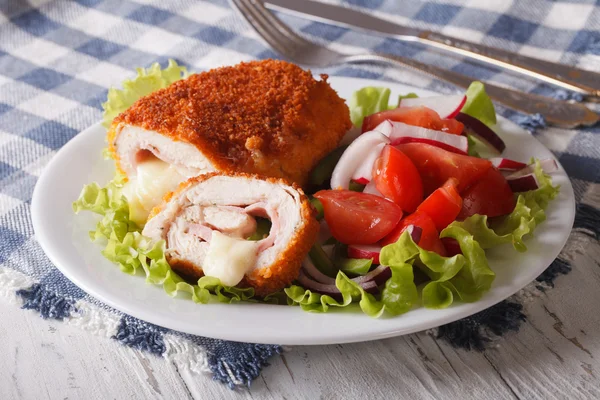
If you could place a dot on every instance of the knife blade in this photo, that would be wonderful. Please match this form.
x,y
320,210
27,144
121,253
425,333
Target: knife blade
x,y
342,16
566,76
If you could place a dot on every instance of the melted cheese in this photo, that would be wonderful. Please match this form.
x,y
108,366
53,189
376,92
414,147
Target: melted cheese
x,y
153,180
229,259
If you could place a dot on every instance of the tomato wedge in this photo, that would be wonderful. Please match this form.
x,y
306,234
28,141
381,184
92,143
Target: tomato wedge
x,y
443,205
490,196
358,218
437,165
417,116
397,179
430,237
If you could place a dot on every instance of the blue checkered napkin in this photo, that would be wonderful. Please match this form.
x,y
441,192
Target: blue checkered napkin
x,y
58,59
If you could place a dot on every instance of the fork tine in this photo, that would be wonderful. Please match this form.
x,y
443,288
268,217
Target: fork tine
x,y
267,31
260,8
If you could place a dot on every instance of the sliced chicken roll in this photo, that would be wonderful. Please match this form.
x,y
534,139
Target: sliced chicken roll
x,y
214,225
266,117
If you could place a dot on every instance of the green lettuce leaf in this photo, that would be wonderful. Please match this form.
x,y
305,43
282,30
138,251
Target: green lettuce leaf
x,y
479,104
464,276
473,145
133,252
355,266
225,294
398,295
475,277
410,95
527,215
147,81
400,292
367,101
315,302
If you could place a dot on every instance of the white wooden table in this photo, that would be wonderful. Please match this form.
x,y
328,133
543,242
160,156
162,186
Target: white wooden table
x,y
556,354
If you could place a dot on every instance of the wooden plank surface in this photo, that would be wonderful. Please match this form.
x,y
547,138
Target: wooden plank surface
x,y
554,355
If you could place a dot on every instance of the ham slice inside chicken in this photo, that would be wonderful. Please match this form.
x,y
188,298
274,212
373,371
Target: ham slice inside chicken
x,y
233,221
230,206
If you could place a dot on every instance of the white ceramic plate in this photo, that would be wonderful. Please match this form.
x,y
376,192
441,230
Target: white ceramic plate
x,y
64,238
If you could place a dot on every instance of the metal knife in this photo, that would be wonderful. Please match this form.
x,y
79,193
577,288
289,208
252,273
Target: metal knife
x,y
577,80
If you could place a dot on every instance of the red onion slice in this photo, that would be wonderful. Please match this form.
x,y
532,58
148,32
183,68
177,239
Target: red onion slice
x,y
331,290
385,128
548,165
482,132
403,133
372,189
324,232
445,106
379,276
364,172
364,252
452,246
354,157
362,180
309,268
415,233
373,251
523,183
504,164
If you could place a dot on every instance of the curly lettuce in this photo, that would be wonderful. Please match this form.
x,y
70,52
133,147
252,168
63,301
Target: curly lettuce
x,y
355,266
125,246
465,277
367,101
479,105
148,80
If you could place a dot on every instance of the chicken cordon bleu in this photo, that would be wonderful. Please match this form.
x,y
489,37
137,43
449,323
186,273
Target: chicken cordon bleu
x,y
263,117
209,225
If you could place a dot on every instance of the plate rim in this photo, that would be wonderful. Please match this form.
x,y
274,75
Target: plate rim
x,y
37,220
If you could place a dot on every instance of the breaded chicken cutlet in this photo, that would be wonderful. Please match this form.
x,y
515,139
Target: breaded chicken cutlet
x,y
206,221
198,137
266,117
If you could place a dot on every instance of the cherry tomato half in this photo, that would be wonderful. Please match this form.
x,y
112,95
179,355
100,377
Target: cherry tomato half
x,y
443,205
416,116
430,237
358,218
437,165
397,179
491,196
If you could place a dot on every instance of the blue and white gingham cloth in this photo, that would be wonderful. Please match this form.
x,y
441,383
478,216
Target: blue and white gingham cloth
x,y
58,58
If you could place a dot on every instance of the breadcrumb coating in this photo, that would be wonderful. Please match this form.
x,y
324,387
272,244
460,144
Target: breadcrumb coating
x,y
267,117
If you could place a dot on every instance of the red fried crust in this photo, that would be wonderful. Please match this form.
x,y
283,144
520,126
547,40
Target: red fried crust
x,y
267,117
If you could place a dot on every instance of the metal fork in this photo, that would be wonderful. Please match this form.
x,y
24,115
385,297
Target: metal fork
x,y
299,50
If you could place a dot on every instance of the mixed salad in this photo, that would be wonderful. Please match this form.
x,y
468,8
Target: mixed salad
x,y
407,208
412,205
